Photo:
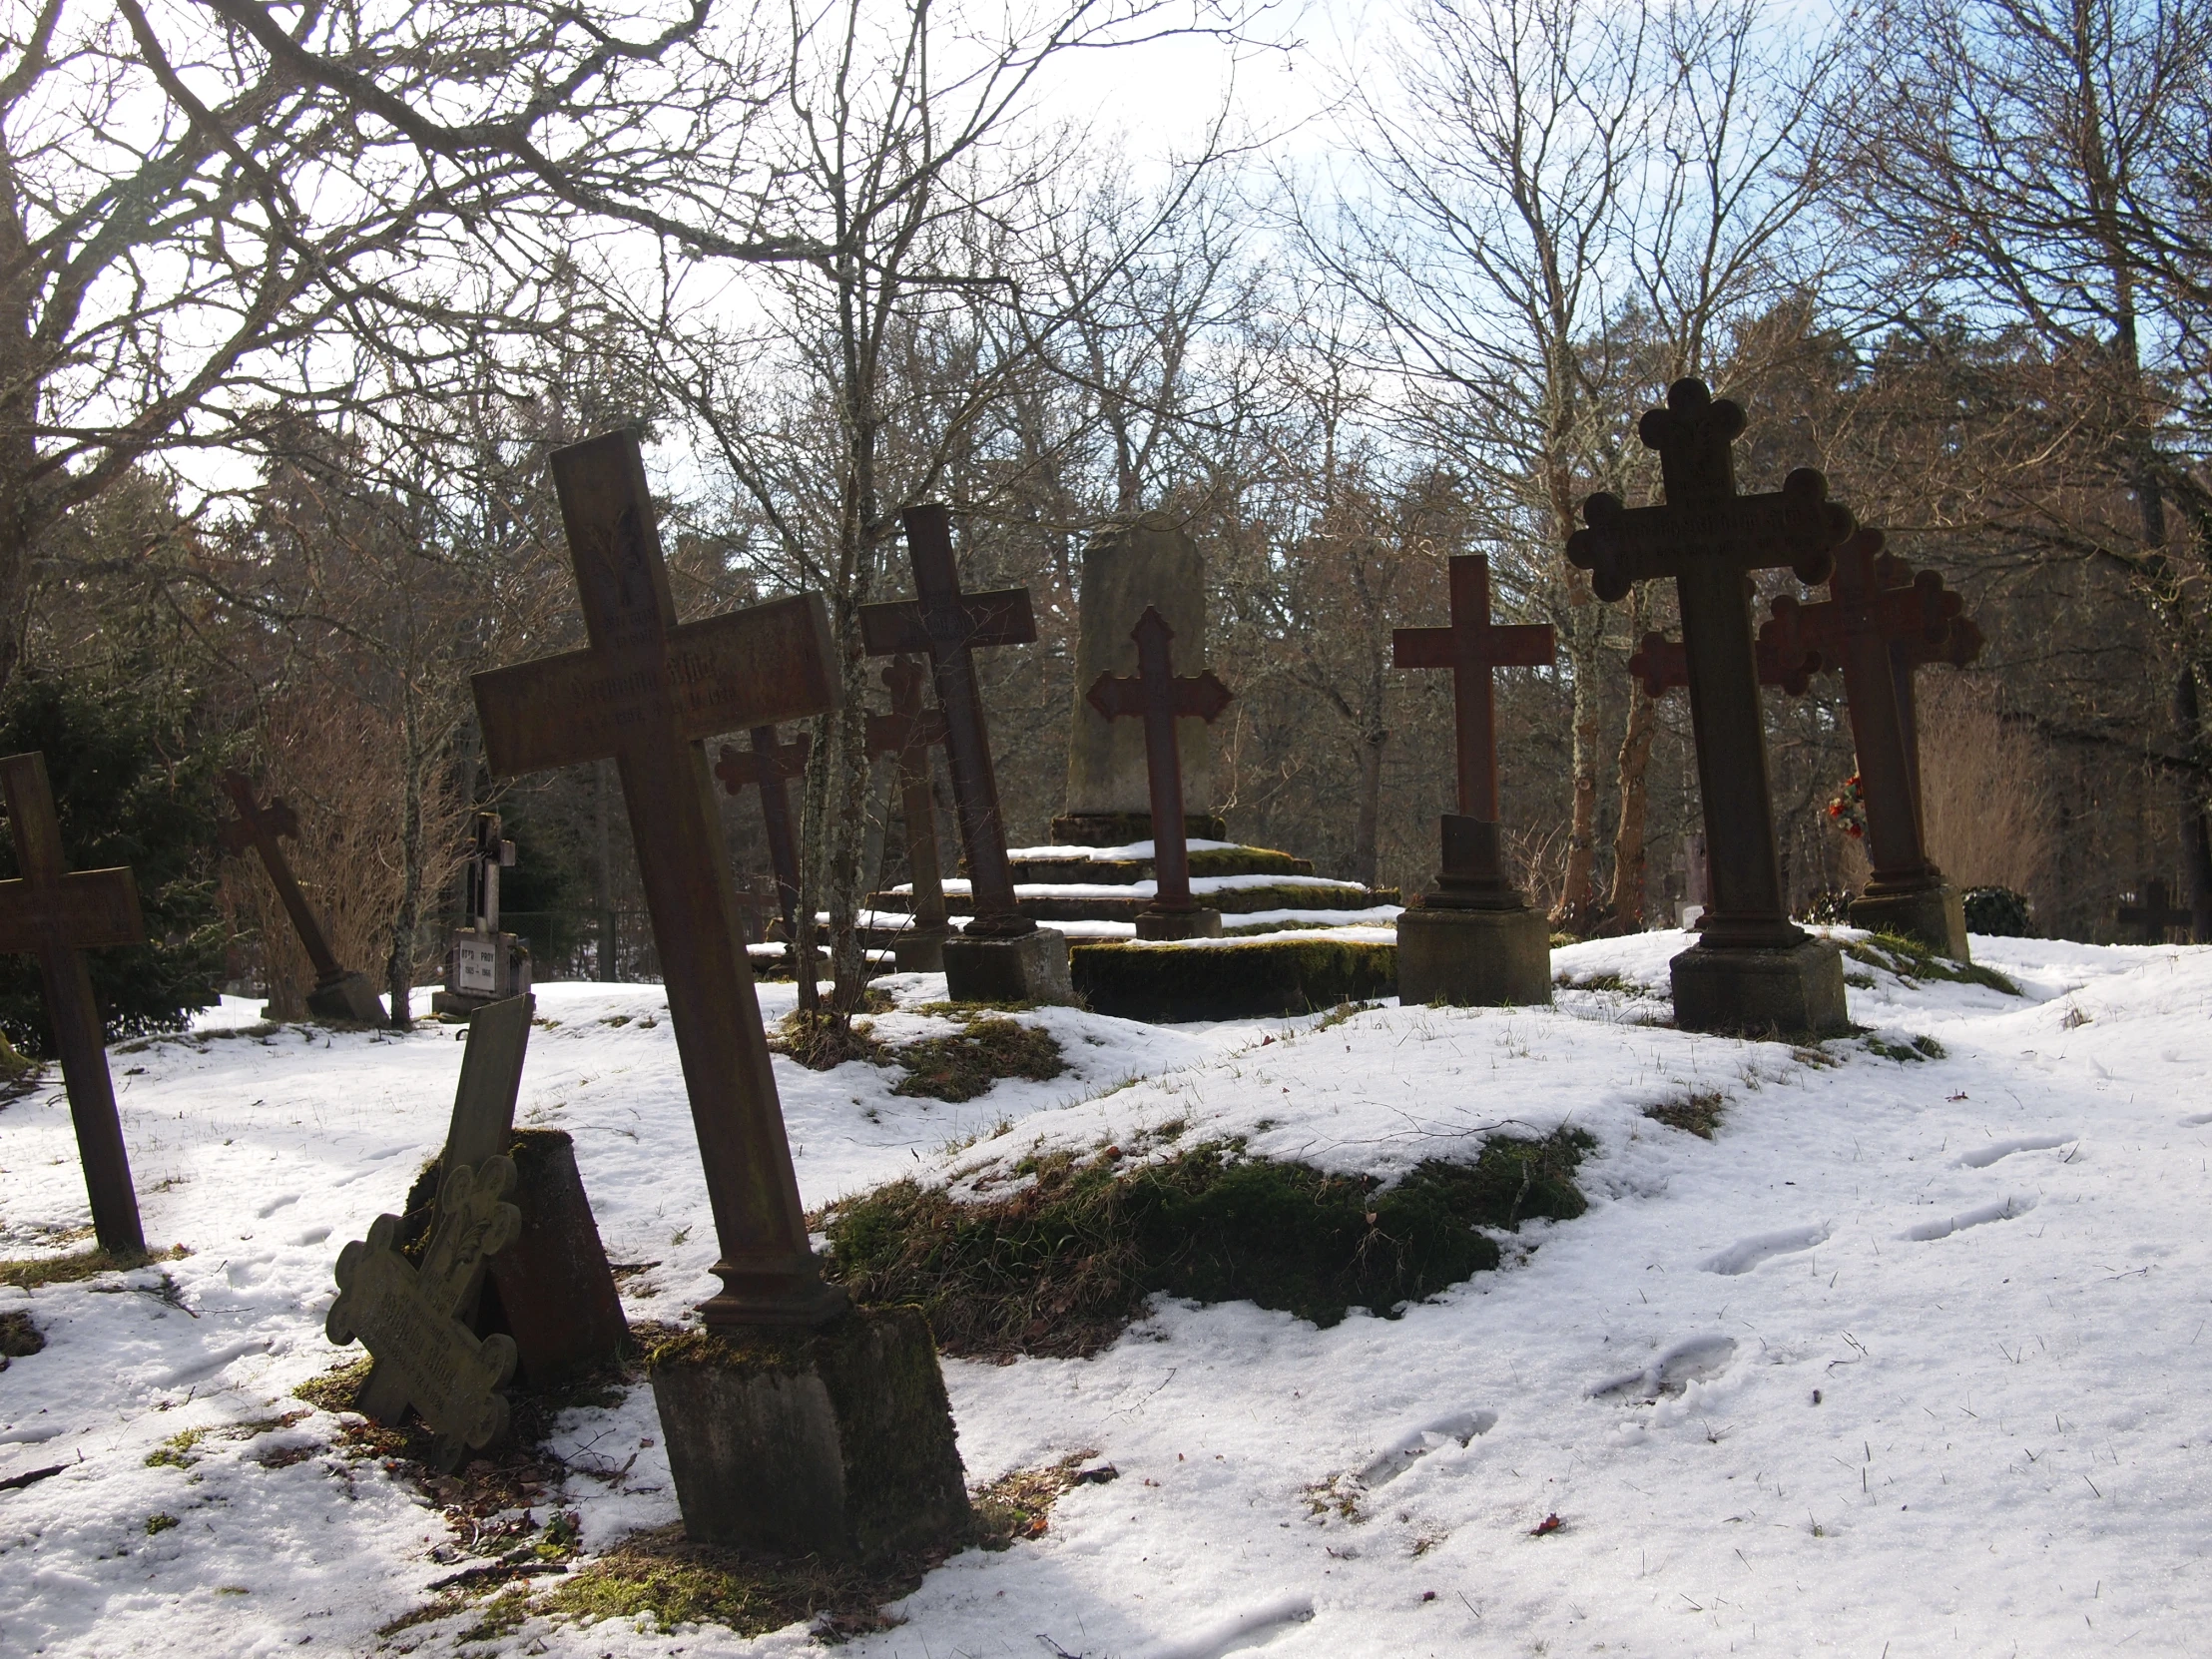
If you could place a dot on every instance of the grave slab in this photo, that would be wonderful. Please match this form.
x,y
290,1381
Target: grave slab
x,y
1474,959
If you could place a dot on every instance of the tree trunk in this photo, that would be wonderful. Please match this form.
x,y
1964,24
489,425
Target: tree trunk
x,y
1635,756
1585,641
400,966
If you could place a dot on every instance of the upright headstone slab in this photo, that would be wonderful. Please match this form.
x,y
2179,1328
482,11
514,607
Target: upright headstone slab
x,y
1474,940
1162,700
56,914
1149,562
1001,955
338,993
908,734
482,964
1874,603
770,767
1751,971
646,692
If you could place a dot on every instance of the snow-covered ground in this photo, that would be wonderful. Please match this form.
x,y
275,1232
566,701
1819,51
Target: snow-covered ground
x,y
1906,1361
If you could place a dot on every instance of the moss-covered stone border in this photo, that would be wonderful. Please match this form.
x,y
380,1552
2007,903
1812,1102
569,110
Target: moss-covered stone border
x,y
1246,980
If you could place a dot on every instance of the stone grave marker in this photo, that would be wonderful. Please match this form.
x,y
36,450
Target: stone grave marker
x,y
482,964
1751,970
1474,939
1001,955
768,767
647,691
2154,916
56,914
908,734
338,993
1876,604
1163,700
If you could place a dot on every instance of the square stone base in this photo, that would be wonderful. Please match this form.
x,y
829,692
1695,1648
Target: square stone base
x,y
919,949
838,1441
1178,924
1794,992
1032,968
1474,959
1935,916
347,997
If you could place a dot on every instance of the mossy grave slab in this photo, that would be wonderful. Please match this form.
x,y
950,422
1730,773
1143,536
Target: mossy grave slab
x,y
1242,979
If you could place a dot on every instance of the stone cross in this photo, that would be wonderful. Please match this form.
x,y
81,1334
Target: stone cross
x,y
1708,539
1663,666
646,692
907,733
950,626
1471,647
1156,695
338,993
769,768
57,914
2155,914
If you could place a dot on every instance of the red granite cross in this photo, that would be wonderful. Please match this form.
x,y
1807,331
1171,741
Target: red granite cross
x,y
57,914
1470,648
950,626
1156,695
645,693
909,732
1707,539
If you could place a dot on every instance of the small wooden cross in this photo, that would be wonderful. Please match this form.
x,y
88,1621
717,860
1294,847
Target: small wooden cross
x,y
337,994
950,626
2155,917
1708,539
909,732
1156,695
1875,604
645,693
57,914
1663,666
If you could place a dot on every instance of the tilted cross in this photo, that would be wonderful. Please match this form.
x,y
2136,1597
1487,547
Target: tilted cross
x,y
768,767
646,692
950,625
1472,648
1156,695
1663,666
1874,605
2155,914
909,732
57,914
1708,539
257,828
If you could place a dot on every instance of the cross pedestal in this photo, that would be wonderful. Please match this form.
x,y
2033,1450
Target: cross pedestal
x,y
1751,971
56,914
1876,605
908,734
1001,955
338,993
1474,940
1158,696
769,768
645,691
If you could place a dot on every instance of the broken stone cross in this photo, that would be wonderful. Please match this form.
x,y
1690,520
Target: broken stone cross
x,y
1474,940
56,914
770,767
1159,695
338,993
1874,604
908,734
1750,969
1001,955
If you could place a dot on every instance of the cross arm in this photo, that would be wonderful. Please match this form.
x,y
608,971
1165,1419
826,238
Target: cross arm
x,y
741,768
1663,665
84,909
894,734
1796,525
1000,617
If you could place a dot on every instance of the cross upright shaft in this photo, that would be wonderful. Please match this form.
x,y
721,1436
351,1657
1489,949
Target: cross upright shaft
x,y
909,732
1160,696
770,766
645,691
56,913
1470,648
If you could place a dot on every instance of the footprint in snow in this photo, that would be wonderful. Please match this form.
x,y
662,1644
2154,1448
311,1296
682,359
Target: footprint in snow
x,y
2196,1120
1981,1157
1418,1442
1699,1359
1930,1231
1746,1254
1253,1627
276,1204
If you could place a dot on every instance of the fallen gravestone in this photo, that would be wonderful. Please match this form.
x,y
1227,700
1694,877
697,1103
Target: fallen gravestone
x,y
338,993
57,914
906,735
1474,939
1751,971
769,1373
482,964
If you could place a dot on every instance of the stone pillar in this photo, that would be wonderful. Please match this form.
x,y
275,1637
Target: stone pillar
x,y
1147,561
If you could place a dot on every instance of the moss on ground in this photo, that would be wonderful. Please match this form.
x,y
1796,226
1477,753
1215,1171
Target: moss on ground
x,y
1061,1267
1912,961
68,1269
669,1581
1696,1114
966,1063
18,1338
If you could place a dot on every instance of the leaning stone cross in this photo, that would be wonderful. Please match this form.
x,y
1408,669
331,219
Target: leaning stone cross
x,y
1752,969
908,733
1875,604
1159,695
338,993
57,914
770,767
645,693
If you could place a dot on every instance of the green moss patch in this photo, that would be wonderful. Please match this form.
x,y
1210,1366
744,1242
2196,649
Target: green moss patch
x,y
666,1581
966,1063
1061,1267
66,1269
1266,977
1696,1114
1911,961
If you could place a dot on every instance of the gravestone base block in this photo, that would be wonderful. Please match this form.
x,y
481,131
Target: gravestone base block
x,y
1030,967
552,1289
919,949
1789,992
838,1441
347,997
1933,916
1178,924
1474,959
